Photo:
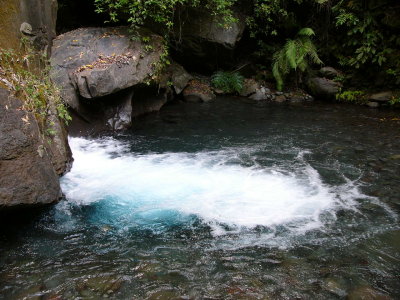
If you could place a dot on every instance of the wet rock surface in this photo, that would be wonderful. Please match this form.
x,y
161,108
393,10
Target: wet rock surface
x,y
27,175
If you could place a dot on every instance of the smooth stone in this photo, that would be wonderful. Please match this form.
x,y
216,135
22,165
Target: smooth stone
x,y
329,72
323,88
373,104
26,28
366,293
381,97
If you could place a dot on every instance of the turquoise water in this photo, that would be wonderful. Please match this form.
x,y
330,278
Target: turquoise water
x,y
225,200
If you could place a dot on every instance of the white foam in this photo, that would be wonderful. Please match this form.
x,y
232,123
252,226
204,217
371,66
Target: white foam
x,y
204,184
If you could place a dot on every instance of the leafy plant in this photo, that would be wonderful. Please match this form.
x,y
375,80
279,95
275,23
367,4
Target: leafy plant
x,y
228,82
26,75
161,11
368,41
357,97
395,100
295,55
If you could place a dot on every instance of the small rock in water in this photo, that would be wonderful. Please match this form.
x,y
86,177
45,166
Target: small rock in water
x,y
280,98
366,293
198,91
373,104
381,97
165,294
334,286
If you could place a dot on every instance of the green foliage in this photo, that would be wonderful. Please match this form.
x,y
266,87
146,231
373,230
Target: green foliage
x,y
295,55
26,75
368,43
364,38
395,100
228,82
357,97
270,18
161,11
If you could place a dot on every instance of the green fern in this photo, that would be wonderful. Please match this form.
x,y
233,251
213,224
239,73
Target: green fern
x,y
295,55
228,82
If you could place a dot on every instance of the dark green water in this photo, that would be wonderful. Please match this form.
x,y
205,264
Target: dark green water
x,y
227,200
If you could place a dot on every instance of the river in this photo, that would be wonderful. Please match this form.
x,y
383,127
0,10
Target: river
x,y
232,199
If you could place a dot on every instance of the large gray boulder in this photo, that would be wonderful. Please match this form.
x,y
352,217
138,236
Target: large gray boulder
x,y
95,62
323,88
28,175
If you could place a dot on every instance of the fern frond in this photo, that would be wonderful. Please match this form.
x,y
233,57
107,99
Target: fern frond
x,y
278,77
291,53
294,55
228,82
306,31
303,65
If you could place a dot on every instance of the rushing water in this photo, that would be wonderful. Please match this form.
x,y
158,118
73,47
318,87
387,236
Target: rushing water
x,y
226,200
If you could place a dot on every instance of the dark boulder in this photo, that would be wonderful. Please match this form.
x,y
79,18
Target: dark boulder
x,y
27,173
323,88
198,91
200,25
381,97
96,62
329,72
201,43
148,99
117,111
250,87
176,76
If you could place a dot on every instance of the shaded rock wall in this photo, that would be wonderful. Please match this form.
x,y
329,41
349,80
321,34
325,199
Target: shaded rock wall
x,y
27,174
41,15
30,161
201,44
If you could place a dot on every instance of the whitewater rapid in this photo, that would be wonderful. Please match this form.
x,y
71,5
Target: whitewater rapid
x,y
169,187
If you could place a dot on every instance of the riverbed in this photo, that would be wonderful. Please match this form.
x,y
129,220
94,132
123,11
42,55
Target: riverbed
x,y
232,199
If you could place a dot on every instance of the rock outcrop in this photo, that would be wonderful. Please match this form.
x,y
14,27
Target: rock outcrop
x,y
29,163
33,19
198,91
95,62
176,76
201,26
381,97
101,72
201,43
329,72
323,88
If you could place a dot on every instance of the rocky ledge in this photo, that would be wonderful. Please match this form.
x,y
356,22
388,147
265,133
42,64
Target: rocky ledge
x,y
30,163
